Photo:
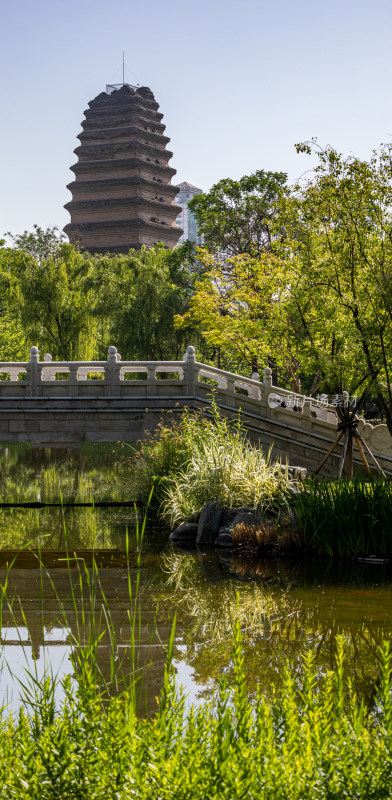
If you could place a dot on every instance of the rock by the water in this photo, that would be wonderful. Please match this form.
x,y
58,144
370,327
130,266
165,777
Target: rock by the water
x,y
209,523
184,534
224,537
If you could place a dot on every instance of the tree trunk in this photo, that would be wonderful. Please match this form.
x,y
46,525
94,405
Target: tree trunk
x,y
385,408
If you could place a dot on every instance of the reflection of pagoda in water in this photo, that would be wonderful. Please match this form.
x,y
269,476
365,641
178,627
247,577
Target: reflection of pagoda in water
x,y
122,195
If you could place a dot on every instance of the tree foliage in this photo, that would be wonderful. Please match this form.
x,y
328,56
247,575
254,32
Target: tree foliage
x,y
235,306
75,305
39,243
44,284
235,217
339,242
136,298
319,303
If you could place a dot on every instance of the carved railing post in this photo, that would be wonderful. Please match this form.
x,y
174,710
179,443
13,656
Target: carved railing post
x,y
48,374
254,391
267,379
33,372
151,381
230,390
267,383
306,409
112,370
190,372
73,379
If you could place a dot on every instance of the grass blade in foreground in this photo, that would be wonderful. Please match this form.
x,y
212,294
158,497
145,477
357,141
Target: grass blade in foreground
x,y
311,740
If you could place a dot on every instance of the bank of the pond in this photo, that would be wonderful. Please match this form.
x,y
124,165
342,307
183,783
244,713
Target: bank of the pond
x,y
339,519
212,487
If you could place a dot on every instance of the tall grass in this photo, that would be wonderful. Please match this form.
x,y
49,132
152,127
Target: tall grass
x,y
83,612
311,740
201,460
346,518
155,461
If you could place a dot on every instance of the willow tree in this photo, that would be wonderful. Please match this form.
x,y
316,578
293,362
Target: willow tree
x,y
137,297
46,293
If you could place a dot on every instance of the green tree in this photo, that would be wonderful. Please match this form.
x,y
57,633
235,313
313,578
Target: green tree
x,y
235,216
45,291
41,243
236,308
339,298
321,301
137,298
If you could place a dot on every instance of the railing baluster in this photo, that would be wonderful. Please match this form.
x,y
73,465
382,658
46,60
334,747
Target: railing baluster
x,y
33,372
189,367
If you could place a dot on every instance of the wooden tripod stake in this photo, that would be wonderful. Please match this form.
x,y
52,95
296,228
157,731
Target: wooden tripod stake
x,y
348,428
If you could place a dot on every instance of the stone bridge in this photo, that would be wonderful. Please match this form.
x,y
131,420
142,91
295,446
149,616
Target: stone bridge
x,y
65,402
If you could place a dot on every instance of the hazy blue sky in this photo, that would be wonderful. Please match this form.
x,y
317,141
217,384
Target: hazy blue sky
x,y
238,83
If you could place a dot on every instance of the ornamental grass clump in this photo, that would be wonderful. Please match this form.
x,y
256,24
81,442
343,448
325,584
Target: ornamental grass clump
x,y
346,518
224,467
197,459
160,457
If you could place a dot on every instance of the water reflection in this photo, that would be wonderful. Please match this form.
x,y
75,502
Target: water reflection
x,y
283,611
74,473
284,606
66,604
85,474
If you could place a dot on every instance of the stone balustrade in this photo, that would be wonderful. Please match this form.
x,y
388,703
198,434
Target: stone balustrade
x,y
48,378
69,401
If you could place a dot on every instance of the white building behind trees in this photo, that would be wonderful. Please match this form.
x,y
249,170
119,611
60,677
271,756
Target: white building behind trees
x,y
186,220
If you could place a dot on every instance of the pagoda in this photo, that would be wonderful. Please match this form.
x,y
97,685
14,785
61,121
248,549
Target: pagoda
x,y
122,196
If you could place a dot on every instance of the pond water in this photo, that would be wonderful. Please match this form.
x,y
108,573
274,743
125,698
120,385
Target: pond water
x,y
55,597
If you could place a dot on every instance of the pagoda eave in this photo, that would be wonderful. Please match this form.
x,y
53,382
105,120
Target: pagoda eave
x,y
133,146
121,163
113,202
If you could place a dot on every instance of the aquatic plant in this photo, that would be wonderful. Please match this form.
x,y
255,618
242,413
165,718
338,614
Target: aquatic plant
x,y
199,459
268,537
161,456
346,518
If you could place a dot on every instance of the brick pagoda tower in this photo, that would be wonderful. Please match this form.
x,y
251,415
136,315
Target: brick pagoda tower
x,y
122,196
